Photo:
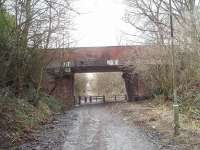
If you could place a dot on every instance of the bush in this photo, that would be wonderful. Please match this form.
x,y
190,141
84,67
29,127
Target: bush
x,y
54,104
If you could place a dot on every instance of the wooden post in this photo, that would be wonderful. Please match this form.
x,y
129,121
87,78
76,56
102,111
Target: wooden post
x,y
90,99
85,99
74,100
115,98
104,99
79,100
126,98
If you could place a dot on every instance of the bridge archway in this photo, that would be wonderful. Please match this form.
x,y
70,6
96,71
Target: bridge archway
x,y
93,87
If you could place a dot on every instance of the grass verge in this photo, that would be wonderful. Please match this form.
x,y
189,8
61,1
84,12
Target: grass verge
x,y
18,118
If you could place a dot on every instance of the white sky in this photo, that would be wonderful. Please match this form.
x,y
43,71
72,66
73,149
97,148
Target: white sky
x,y
100,22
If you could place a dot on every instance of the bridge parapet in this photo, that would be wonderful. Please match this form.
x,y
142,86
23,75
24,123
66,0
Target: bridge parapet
x,y
88,65
92,62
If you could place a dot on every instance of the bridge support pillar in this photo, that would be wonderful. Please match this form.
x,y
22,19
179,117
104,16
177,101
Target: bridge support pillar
x,y
134,86
61,88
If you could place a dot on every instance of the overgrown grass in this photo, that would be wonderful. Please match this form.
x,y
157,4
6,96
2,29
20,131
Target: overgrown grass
x,y
19,117
189,111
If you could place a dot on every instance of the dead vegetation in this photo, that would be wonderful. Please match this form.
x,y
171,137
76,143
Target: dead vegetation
x,y
19,118
156,119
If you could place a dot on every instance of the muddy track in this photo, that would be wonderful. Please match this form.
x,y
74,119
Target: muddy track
x,y
91,127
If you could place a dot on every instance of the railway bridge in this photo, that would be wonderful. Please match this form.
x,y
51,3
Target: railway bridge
x,y
64,63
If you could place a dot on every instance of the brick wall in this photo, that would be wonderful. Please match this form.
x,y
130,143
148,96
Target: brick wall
x,y
61,88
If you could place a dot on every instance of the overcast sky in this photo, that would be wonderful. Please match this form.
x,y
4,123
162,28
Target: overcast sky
x,y
100,22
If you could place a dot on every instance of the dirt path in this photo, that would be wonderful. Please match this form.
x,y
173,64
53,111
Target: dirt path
x,y
92,127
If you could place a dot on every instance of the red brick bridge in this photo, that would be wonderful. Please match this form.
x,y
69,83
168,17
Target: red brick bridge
x,y
64,63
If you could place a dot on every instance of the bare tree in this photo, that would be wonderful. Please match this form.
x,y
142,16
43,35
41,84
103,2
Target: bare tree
x,y
37,23
151,18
